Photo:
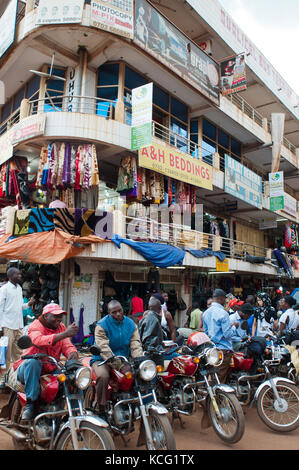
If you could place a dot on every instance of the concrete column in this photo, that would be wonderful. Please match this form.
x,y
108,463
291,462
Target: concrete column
x,y
24,108
29,6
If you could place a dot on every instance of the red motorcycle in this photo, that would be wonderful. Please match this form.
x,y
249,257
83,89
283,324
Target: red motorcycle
x,y
192,378
61,422
131,396
253,376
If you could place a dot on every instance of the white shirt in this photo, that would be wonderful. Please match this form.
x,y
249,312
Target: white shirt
x,y
293,319
11,306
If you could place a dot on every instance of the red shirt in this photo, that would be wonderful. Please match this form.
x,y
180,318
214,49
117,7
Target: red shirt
x,y
44,337
137,305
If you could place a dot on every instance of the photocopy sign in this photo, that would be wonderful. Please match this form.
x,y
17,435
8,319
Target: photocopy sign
x,y
59,11
142,115
243,183
115,16
8,27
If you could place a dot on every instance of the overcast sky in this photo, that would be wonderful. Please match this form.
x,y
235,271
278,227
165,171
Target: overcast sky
x,y
273,26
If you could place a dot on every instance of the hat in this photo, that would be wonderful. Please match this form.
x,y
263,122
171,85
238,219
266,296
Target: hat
x,y
247,309
219,293
296,307
55,309
235,302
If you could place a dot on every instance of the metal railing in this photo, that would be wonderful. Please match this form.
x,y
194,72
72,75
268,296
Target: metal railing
x,y
150,230
246,108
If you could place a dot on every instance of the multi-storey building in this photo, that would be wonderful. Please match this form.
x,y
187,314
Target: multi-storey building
x,y
69,67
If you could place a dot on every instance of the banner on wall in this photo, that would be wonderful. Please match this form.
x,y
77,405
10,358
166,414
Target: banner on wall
x,y
175,164
277,131
142,116
115,16
243,183
59,11
160,38
233,75
8,26
276,190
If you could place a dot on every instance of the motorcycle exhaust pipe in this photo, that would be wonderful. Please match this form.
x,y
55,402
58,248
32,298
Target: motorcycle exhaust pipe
x,y
14,433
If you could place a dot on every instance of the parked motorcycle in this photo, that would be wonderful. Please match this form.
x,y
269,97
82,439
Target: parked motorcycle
x,y
61,422
191,378
281,356
252,376
131,396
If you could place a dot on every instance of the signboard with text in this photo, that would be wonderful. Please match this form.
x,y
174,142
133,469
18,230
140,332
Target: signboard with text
x,y
142,115
115,16
233,75
8,26
243,183
59,11
222,266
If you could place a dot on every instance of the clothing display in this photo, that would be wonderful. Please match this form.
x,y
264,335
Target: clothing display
x,y
14,182
63,166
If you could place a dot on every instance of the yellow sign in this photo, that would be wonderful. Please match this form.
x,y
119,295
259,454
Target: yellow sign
x,y
222,266
175,164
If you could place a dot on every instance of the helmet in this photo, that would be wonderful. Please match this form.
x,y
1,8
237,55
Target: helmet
x,y
197,339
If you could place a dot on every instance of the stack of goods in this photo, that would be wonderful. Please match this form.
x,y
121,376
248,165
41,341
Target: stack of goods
x,y
66,166
42,282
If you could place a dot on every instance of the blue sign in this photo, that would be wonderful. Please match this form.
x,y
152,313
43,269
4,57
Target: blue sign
x,y
243,183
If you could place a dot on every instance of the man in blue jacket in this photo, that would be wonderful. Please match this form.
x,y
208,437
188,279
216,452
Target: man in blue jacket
x,y
115,335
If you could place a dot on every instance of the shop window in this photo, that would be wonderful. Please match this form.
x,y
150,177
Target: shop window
x,y
160,98
209,130
133,79
54,92
179,110
208,149
223,139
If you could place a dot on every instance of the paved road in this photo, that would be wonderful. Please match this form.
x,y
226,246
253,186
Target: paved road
x,y
257,436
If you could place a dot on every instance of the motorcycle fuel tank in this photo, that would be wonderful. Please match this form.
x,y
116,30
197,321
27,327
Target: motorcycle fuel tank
x,y
240,362
119,381
182,365
49,386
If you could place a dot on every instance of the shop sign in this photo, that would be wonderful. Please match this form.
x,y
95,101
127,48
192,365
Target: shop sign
x,y
142,115
222,266
59,11
160,38
6,146
290,205
28,128
8,26
276,203
276,184
72,88
115,16
233,75
267,224
243,183
175,164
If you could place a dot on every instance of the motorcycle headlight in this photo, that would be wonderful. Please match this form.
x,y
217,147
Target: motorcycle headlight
x,y
83,378
214,357
147,370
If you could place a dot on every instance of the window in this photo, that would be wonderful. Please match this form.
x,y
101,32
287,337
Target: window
x,y
33,87
160,98
107,88
54,92
108,75
133,79
179,110
216,139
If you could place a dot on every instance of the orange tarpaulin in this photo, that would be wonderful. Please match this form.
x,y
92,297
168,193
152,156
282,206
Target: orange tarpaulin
x,y
45,247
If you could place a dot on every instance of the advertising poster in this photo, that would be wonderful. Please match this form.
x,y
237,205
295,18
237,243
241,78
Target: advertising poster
x,y
178,165
243,183
142,115
160,38
233,75
8,26
59,11
115,16
276,190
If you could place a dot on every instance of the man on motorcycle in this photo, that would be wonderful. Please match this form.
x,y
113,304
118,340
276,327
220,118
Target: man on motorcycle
x,y
217,326
243,313
50,336
115,335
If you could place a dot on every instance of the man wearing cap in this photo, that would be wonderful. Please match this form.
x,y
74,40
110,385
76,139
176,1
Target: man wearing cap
x,y
217,326
243,313
50,336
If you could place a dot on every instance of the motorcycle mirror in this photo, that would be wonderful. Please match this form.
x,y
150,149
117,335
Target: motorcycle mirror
x,y
24,342
95,350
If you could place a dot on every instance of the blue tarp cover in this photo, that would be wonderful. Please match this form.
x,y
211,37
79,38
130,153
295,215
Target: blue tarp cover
x,y
206,252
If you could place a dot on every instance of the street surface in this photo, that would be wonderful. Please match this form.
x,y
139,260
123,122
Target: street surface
x,y
256,437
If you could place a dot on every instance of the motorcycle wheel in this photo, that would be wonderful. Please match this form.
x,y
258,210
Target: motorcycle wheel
x,y
16,414
162,432
230,426
285,419
90,436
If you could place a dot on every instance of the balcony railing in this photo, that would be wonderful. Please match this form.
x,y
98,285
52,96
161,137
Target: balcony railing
x,y
246,108
150,230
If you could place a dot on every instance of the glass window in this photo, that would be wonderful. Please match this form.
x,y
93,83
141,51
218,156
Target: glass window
x,y
180,130
194,127
223,139
108,93
208,129
160,98
133,79
208,149
33,86
235,147
6,111
18,98
108,74
179,110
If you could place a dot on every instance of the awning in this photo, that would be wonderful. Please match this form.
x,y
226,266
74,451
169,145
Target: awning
x,y
45,247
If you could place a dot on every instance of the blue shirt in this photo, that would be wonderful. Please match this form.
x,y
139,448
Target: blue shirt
x,y
217,326
239,333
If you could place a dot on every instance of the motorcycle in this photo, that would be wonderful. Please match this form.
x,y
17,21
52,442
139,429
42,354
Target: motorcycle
x,y
191,378
61,422
277,348
253,377
131,397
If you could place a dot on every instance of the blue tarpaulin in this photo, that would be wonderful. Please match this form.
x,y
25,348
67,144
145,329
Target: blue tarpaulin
x,y
206,252
159,254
